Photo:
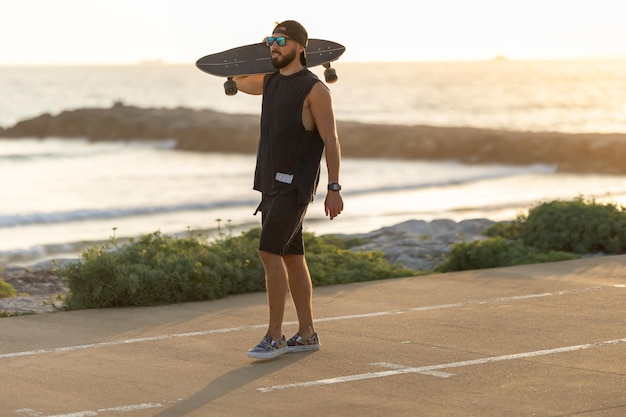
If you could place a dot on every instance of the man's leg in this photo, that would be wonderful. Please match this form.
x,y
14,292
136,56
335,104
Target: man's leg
x,y
282,221
301,292
276,286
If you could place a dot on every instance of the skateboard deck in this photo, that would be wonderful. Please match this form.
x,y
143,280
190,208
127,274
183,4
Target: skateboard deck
x,y
256,59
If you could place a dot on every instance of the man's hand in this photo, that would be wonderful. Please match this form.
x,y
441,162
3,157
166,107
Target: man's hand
x,y
333,205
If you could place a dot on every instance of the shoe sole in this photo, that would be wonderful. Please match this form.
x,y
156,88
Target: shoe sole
x,y
303,348
267,355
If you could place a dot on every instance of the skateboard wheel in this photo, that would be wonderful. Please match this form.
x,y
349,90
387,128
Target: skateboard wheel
x,y
330,75
230,88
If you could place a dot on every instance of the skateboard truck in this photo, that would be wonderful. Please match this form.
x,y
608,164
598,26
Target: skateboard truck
x,y
330,75
230,87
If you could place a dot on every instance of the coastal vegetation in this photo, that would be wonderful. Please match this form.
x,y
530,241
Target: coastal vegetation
x,y
552,231
161,269
6,289
158,269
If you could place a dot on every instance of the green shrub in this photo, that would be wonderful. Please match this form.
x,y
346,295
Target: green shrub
x,y
6,289
331,262
576,226
159,269
552,231
496,252
510,230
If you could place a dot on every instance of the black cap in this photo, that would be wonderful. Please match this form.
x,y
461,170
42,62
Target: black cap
x,y
294,30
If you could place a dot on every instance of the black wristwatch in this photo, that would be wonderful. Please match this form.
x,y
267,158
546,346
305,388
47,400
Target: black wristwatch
x,y
333,186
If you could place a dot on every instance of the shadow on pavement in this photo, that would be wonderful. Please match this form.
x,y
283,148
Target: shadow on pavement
x,y
229,382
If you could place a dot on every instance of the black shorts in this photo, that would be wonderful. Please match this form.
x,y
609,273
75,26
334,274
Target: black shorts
x,y
281,219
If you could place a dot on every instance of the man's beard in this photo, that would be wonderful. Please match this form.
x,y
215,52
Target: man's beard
x,y
282,60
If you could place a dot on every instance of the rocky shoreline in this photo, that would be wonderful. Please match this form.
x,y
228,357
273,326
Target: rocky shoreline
x,y
415,244
37,288
211,131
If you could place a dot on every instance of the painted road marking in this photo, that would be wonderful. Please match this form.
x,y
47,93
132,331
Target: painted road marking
x,y
396,366
461,304
89,413
427,369
322,320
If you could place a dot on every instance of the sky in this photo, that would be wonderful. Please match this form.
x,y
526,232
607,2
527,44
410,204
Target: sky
x,y
181,31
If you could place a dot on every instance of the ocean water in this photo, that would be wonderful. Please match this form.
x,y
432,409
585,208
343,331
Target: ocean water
x,y
60,196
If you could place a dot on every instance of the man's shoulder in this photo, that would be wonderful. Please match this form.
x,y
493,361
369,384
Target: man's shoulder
x,y
310,74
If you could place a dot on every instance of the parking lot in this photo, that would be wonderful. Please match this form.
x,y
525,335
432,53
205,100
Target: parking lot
x,y
537,340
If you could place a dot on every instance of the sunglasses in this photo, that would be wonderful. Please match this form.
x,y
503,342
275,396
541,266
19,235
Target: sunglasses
x,y
280,40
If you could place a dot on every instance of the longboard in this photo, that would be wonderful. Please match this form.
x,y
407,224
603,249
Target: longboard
x,y
255,59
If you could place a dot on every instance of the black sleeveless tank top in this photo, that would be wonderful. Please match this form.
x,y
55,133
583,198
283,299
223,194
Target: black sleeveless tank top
x,y
288,156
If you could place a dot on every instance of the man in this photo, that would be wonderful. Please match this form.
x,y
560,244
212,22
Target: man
x,y
297,126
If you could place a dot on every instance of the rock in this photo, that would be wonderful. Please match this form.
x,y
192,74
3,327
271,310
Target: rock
x,y
201,130
37,288
421,245
210,131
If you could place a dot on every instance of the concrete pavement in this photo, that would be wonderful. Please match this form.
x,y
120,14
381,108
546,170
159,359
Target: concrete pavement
x,y
537,340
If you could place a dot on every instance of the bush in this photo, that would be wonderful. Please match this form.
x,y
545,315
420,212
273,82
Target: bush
x,y
331,262
496,252
576,226
6,289
159,269
553,231
507,230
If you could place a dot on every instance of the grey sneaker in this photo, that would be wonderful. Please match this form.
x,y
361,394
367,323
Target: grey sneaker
x,y
301,344
268,348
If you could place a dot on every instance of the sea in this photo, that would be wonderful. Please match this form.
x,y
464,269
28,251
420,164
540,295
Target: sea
x,y
59,196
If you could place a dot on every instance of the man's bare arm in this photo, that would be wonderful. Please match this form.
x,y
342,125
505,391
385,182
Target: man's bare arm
x,y
250,84
320,104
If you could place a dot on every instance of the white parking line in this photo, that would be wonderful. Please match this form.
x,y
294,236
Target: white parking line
x,y
399,370
461,304
90,413
428,372
262,326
